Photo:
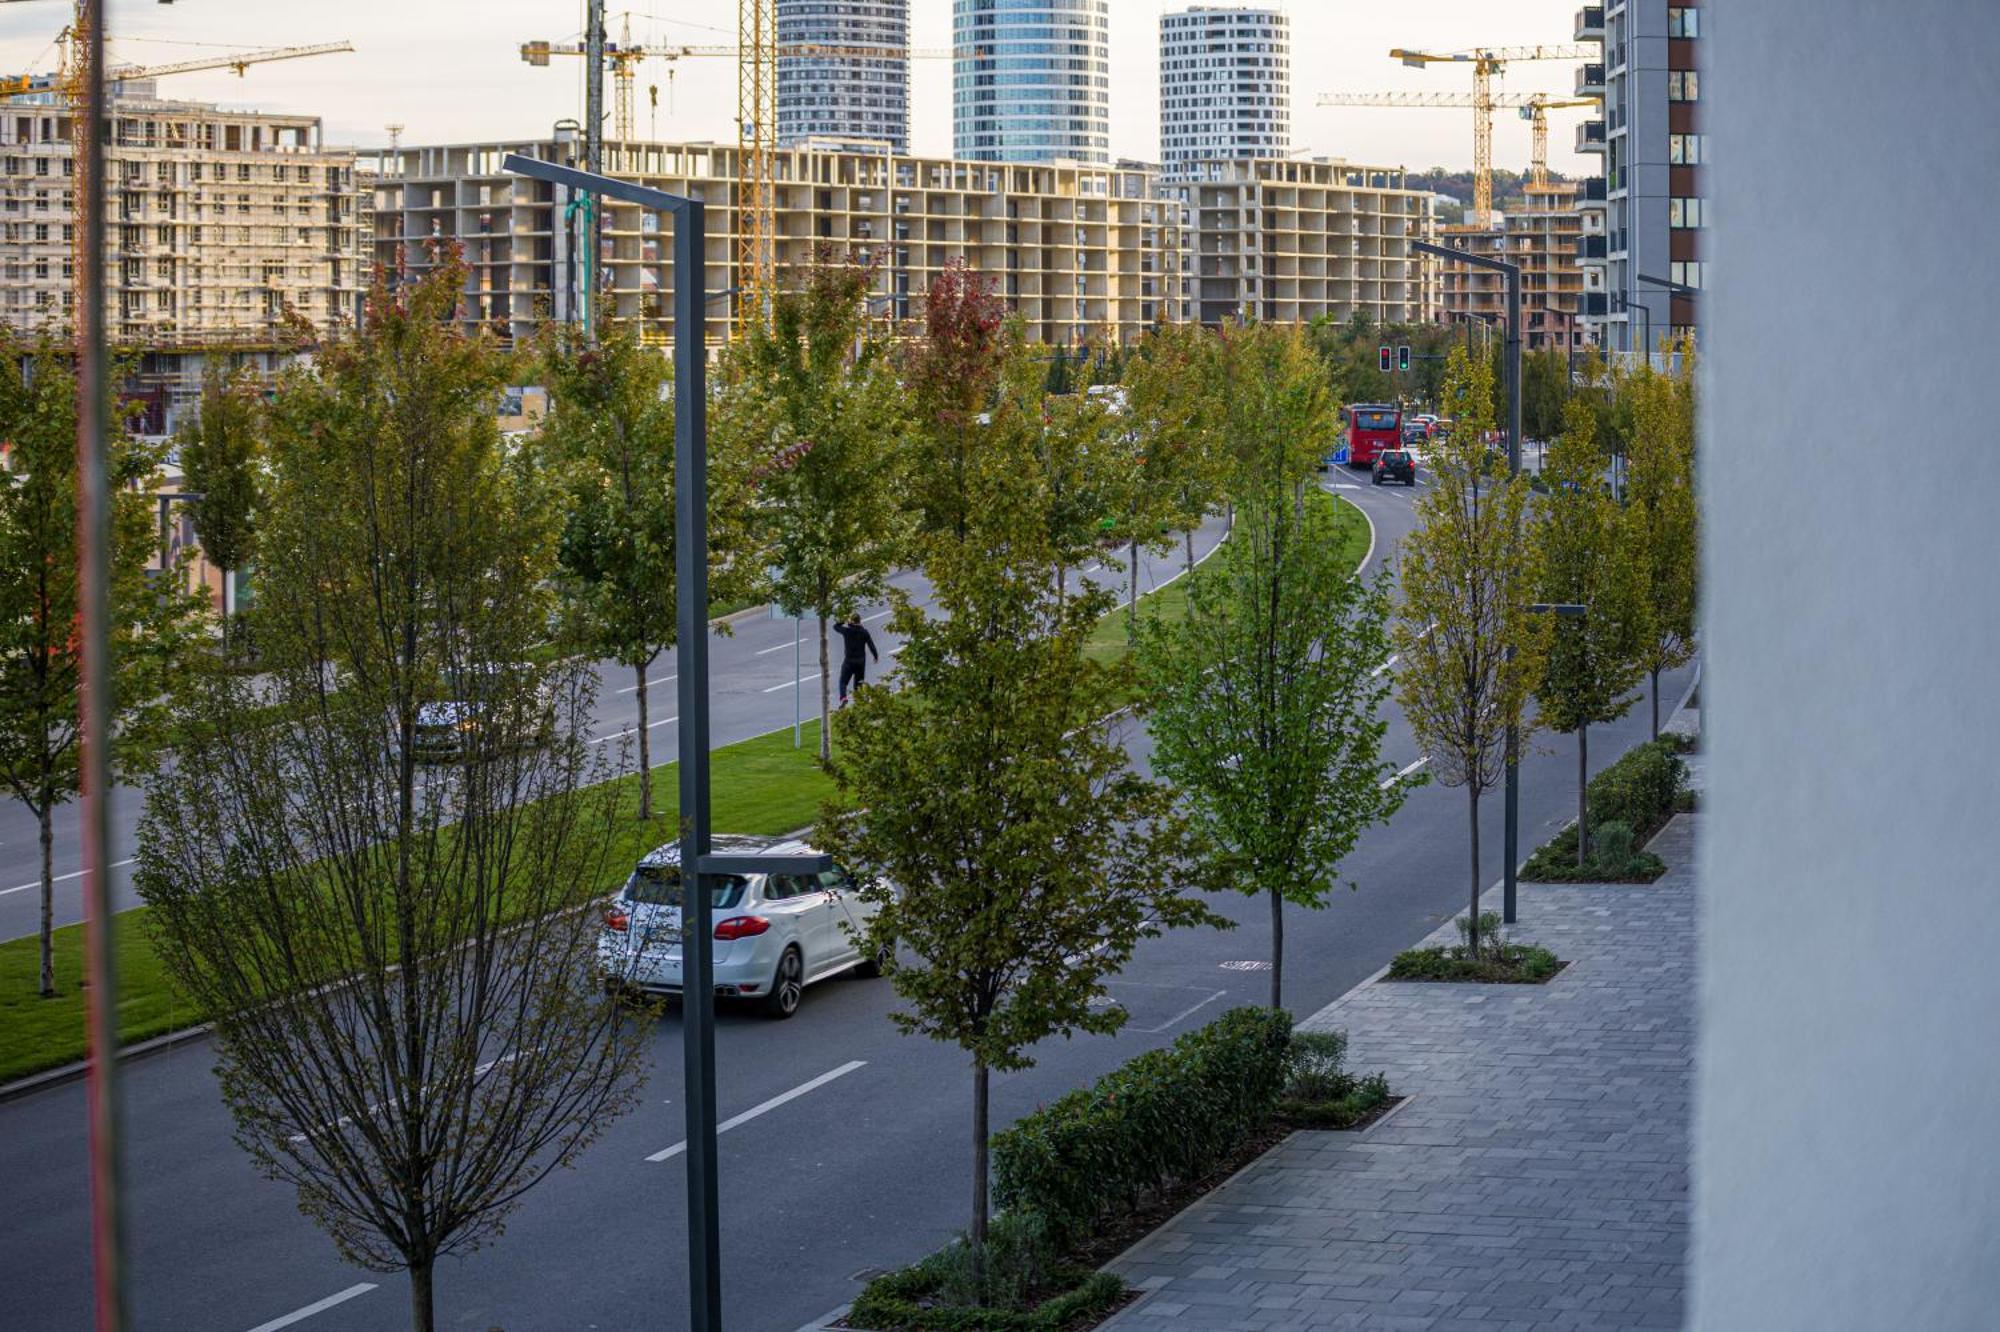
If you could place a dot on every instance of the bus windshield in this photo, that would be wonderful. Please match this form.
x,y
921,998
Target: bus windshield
x,y
1374,419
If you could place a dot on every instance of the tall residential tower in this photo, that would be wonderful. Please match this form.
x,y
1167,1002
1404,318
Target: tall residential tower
x,y
859,89
1225,86
1031,80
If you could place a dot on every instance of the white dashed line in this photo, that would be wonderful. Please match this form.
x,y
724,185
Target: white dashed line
x,y
768,1106
1388,782
650,684
633,730
61,878
317,1306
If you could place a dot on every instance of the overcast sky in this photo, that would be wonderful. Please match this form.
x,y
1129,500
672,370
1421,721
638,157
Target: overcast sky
x,y
450,70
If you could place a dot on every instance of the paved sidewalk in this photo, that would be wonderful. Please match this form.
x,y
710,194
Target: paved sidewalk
x,y
1537,1177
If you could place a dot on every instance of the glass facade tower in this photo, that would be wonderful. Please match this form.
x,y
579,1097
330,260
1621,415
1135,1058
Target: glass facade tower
x,y
1031,80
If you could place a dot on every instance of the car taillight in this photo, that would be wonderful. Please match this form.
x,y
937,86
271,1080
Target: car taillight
x,y
617,920
741,927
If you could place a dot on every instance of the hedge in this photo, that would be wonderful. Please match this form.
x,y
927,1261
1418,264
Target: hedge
x,y
904,1302
1167,1117
1641,790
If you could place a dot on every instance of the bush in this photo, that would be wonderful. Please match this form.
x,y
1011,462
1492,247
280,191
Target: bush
x,y
1319,1092
1642,790
1505,963
1165,1118
913,1300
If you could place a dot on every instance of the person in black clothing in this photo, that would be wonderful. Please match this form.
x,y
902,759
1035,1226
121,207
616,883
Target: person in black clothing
x,y
854,659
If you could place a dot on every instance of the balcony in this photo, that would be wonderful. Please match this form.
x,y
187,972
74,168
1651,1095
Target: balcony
x,y
1592,305
1590,247
1590,136
1590,80
1593,189
1590,23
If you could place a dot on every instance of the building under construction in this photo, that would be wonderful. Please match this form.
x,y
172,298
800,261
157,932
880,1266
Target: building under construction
x,y
223,229
1544,236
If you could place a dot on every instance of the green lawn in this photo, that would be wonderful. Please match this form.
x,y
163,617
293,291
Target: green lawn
x,y
760,786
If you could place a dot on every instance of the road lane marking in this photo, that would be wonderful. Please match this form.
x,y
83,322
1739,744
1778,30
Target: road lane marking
x,y
633,731
1388,782
878,615
317,1306
63,878
803,679
768,1106
765,652
633,689
1387,665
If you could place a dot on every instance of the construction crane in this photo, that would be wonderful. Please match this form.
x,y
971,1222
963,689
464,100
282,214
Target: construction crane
x,y
1486,62
1534,107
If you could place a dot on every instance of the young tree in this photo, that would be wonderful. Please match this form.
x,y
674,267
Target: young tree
x,y
1660,492
830,502
1172,416
41,660
1028,858
398,957
1275,412
1585,555
953,373
1264,706
610,437
1471,650
221,456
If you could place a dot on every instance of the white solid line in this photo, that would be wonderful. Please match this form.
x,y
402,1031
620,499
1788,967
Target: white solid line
x,y
62,878
633,689
1388,782
768,1106
318,1306
633,730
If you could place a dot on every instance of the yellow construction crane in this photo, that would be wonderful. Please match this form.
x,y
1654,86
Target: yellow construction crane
x,y
1534,107
1486,62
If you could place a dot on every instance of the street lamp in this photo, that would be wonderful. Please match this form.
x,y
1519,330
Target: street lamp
x,y
1645,314
1677,288
1512,840
698,863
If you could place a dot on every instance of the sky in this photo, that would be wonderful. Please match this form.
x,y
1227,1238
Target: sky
x,y
449,71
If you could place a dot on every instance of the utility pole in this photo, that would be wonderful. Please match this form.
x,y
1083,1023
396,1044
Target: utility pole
x,y
593,153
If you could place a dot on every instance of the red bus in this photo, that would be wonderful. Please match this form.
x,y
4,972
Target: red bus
x,y
1372,427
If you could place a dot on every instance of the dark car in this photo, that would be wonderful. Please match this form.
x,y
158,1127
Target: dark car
x,y
1396,465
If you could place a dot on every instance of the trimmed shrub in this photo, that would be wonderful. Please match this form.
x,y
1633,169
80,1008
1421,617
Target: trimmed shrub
x,y
1642,790
1319,1092
1520,964
1167,1117
910,1301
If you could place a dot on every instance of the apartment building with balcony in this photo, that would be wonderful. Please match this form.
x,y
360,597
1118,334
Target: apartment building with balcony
x,y
1546,238
1292,240
1081,253
861,90
1646,212
1031,82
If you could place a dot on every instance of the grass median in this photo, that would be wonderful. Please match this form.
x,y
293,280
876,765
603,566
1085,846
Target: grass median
x,y
760,786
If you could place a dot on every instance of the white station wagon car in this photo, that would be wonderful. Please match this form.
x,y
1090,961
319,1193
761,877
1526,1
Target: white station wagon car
x,y
775,934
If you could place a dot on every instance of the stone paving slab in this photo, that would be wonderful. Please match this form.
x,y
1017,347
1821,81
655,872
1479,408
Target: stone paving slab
x,y
1537,1178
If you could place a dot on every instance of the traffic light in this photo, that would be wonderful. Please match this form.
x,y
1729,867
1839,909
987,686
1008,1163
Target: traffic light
x,y
1383,358
1403,359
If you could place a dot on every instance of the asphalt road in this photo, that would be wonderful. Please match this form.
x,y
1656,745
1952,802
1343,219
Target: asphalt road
x,y
864,1169
750,678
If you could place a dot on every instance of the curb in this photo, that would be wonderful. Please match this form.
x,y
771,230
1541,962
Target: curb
x,y
67,1073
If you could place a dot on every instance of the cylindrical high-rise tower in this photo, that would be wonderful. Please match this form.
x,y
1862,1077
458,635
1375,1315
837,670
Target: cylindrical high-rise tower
x,y
848,95
1225,86
1031,80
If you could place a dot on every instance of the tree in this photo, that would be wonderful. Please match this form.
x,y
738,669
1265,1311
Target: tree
x,y
1172,413
1471,650
221,456
1275,412
1264,707
1660,491
1544,393
41,655
610,437
830,503
1586,555
1028,858
953,373
398,959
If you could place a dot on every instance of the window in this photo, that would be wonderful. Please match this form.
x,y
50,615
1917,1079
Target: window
x,y
1686,273
1687,149
1683,22
1684,214
1683,86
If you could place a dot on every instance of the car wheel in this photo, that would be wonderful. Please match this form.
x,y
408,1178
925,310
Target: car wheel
x,y
788,986
873,965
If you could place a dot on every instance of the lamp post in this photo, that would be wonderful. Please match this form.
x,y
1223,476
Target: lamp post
x,y
1645,315
1512,839
698,863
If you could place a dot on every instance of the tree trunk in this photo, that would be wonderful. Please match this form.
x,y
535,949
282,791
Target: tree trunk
x,y
979,1167
1277,949
825,698
1189,535
46,821
1656,702
1582,795
1132,607
423,1316
645,751
1472,803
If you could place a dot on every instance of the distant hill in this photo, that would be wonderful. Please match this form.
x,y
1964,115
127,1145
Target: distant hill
x,y
1458,185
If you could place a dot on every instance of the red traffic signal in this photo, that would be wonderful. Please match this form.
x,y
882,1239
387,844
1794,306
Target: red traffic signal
x,y
1383,357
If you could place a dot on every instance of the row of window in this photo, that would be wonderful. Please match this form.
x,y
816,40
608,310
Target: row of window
x,y
1683,85
1687,149
1687,214
1683,21
1687,273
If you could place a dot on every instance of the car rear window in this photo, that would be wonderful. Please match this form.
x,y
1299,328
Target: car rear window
x,y
660,885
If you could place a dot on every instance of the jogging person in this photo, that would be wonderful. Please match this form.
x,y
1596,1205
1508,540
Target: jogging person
x,y
859,646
